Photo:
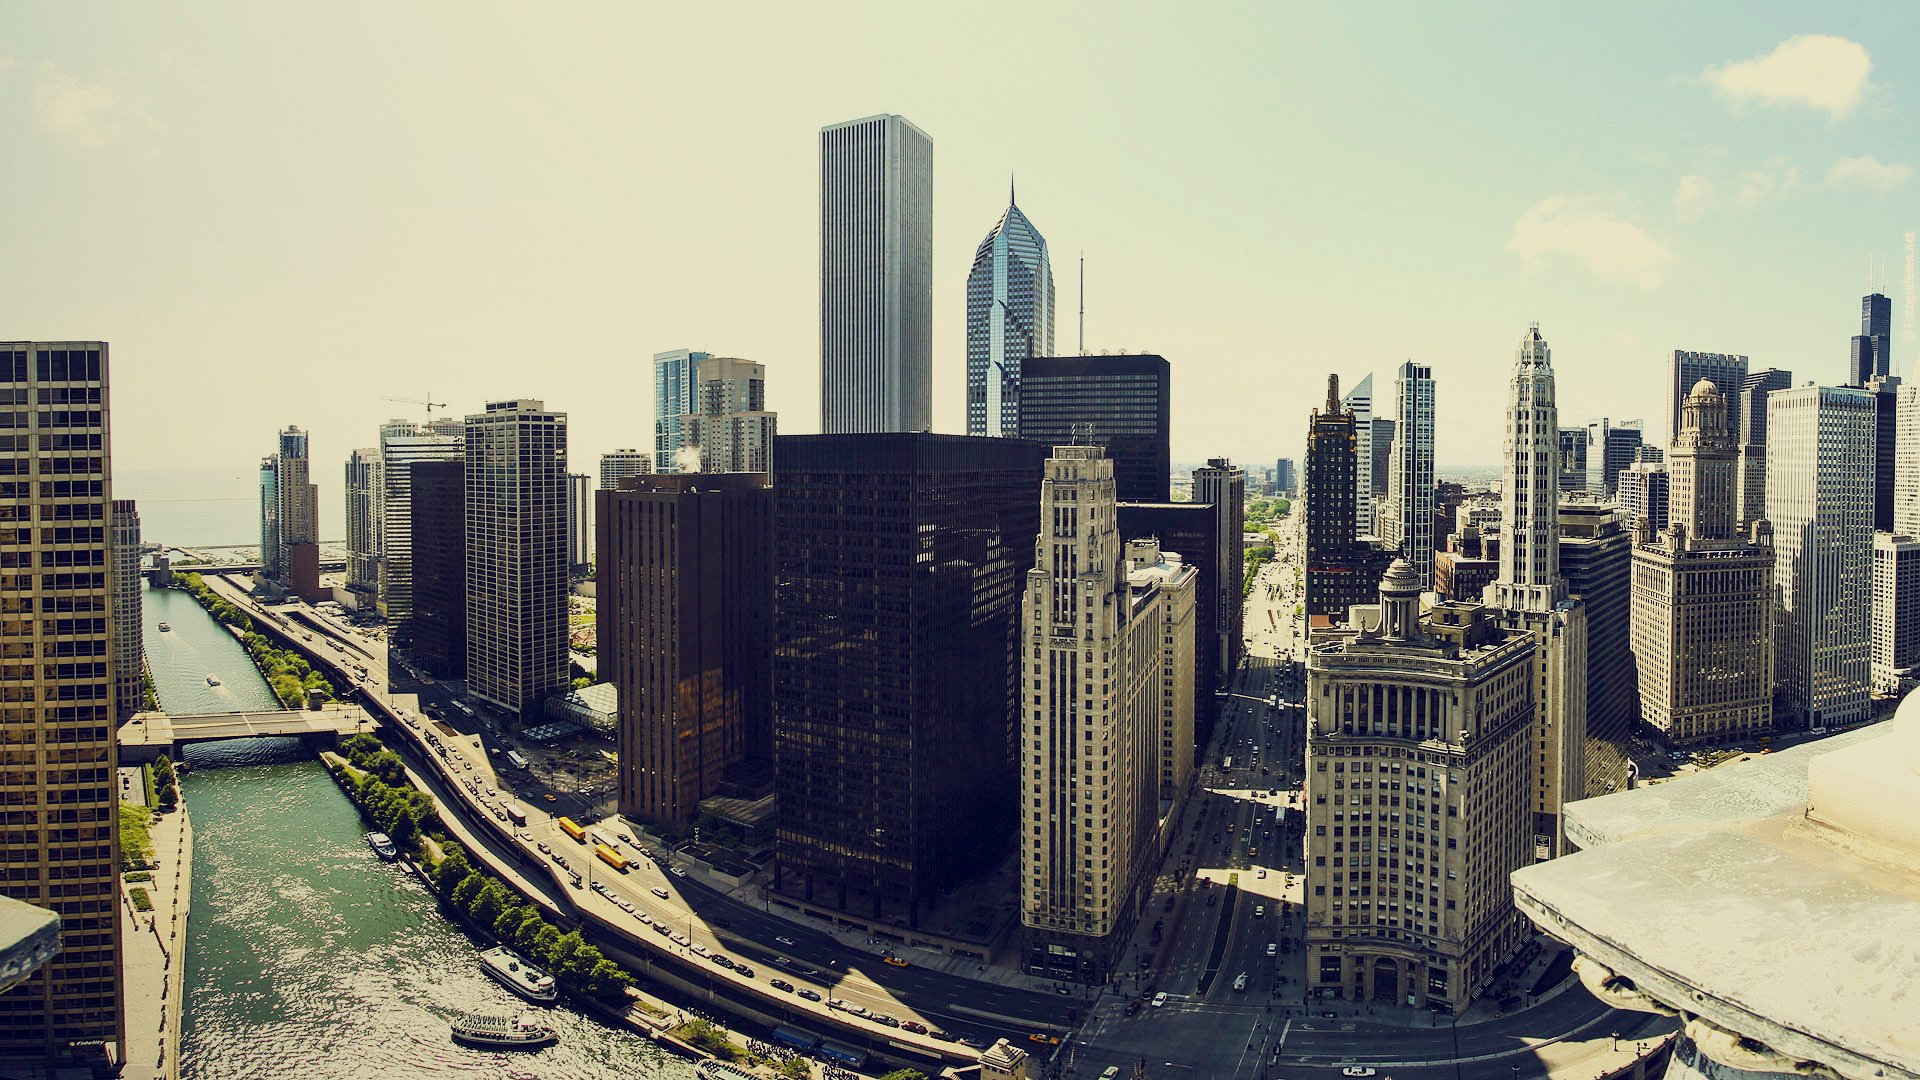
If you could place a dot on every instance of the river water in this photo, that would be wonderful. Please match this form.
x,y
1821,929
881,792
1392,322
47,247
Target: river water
x,y
307,956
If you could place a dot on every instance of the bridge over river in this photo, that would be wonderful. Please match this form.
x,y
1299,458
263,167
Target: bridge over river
x,y
149,734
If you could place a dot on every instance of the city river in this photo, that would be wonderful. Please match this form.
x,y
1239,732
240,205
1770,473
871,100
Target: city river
x,y
307,956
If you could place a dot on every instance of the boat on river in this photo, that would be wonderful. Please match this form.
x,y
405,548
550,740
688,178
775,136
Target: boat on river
x,y
213,680
166,628
503,1032
382,845
514,973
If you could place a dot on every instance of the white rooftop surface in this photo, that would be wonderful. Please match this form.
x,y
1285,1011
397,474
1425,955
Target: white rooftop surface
x,y
1777,897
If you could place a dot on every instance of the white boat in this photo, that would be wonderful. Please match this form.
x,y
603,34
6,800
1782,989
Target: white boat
x,y
165,628
213,680
503,1032
382,845
514,973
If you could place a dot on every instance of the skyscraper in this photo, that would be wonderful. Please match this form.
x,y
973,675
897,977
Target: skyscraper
x,y
1820,472
364,526
1285,483
1886,397
1359,402
676,393
685,617
1687,368
402,443
1703,594
1408,523
516,525
59,843
1188,527
1611,445
617,465
1872,352
579,520
1091,759
1009,318
1596,558
1340,567
896,625
730,429
876,276
437,565
1121,402
1906,478
1751,431
1382,454
1896,612
129,649
1644,488
1223,485
299,498
1573,460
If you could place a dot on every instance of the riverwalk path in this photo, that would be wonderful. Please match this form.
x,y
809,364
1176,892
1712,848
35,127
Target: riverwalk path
x,y
154,946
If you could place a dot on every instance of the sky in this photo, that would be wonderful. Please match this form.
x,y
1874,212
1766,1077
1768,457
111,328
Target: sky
x,y
284,214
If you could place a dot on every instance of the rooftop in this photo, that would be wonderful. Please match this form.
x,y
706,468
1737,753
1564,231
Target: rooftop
x,y
29,937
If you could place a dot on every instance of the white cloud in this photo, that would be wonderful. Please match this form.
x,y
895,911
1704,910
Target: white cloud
x,y
1759,185
1697,193
1694,197
1819,71
89,114
1867,171
1590,231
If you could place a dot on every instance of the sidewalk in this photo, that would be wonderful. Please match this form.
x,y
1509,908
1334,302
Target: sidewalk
x,y
155,951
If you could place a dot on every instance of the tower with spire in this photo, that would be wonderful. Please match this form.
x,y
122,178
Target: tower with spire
x,y
1010,307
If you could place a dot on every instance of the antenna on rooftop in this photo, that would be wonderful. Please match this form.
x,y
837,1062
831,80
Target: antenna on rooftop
x,y
1083,303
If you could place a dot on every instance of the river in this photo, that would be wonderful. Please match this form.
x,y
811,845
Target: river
x,y
307,956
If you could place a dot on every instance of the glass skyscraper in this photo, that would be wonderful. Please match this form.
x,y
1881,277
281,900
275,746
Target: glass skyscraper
x,y
676,393
1009,318
1873,345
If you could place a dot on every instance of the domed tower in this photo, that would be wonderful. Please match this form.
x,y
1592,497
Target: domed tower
x,y
1701,467
1400,602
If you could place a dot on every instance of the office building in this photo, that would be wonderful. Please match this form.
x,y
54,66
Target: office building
x,y
1009,318
1573,460
437,561
269,513
1644,493
731,429
685,616
1223,485
1342,569
516,525
1434,713
1703,595
617,465
579,521
1611,445
296,503
1886,397
1468,566
1381,459
1285,483
1359,402
1531,594
1687,368
1407,524
676,394
1906,479
896,611
1820,475
1752,435
876,276
60,789
1596,559
1185,527
1896,612
129,649
404,443
1121,403
1872,353
364,545
1092,759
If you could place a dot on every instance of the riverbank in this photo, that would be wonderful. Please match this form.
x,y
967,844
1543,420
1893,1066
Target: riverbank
x,y
293,680
154,950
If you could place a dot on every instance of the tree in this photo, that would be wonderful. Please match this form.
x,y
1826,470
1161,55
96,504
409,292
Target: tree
x,y
463,893
386,765
453,869
905,1074
544,940
486,905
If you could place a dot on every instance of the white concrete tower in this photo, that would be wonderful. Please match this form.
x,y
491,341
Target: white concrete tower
x,y
1530,491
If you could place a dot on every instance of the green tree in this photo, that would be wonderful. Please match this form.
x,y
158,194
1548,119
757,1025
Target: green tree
x,y
463,893
706,1037
486,905
905,1074
453,869
544,941
386,765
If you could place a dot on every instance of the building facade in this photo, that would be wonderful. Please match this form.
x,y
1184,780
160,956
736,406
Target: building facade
x,y
1009,318
876,276
1687,368
1820,473
1122,403
1286,483
1407,521
402,444
1185,527
1432,715
297,500
1468,566
437,546
1359,402
579,521
1596,559
1872,352
1751,432
1611,446
731,430
60,843
617,465
1896,612
1223,485
1886,412
1342,570
516,557
129,648
676,394
684,622
896,625
1645,492
363,481
1573,460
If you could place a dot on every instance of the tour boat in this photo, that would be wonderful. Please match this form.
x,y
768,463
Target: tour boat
x,y
508,969
213,680
382,845
165,628
503,1032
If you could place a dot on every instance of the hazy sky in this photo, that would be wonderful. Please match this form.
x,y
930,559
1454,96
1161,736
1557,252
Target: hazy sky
x,y
280,213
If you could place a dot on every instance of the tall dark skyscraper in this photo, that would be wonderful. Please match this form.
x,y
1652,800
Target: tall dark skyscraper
x,y
1886,398
1124,399
1872,352
1223,485
1182,528
1750,431
438,570
1341,571
1687,368
898,567
1596,558
1381,461
1611,445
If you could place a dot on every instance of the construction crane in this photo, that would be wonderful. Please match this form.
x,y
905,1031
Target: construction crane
x,y
427,401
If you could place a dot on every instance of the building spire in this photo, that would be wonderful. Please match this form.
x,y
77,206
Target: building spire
x,y
1010,199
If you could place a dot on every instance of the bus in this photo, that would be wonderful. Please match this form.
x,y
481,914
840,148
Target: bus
x,y
611,857
515,815
842,1055
516,760
1228,763
579,834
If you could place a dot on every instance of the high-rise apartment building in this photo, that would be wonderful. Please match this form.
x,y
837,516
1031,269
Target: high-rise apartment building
x,y
402,444
676,395
1359,402
269,513
364,479
298,508
1188,527
129,649
1009,318
1703,594
59,845
1223,485
1342,570
516,525
1896,612
1091,758
1820,474
896,612
876,276
437,563
685,584
1121,403
1872,352
1435,714
617,465
1687,368
1596,559
1611,445
1407,524
1531,592
579,521
730,429
1751,433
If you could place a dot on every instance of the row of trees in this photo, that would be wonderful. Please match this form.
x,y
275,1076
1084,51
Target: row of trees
x,y
295,682
492,906
166,787
382,790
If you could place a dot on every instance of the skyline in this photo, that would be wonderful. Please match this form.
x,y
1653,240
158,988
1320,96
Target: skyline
x,y
202,197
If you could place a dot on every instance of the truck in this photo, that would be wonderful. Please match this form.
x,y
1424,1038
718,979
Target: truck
x,y
515,814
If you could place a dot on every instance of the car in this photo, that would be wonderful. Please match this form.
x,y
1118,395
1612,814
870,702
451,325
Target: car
x,y
1112,1073
809,995
625,904
662,929
784,940
677,872
659,892
698,949
1259,911
526,837
943,1036
492,794
723,961
1356,1070
885,1021
644,918
782,985
551,797
841,1004
1240,981
1273,948
544,849
1044,1039
894,961
914,1026
1159,999
624,838
743,971
679,938
1132,1007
